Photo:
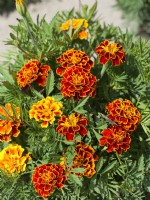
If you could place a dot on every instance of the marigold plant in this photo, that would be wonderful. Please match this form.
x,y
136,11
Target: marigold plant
x,y
124,113
46,110
85,122
75,24
116,139
11,122
47,177
85,158
11,159
110,51
71,58
78,83
33,71
68,126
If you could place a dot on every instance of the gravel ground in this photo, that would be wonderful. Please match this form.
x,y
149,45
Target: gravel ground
x,y
106,13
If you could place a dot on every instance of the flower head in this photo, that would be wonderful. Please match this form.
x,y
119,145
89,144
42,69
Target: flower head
x,y
76,23
33,71
47,177
11,159
78,83
69,126
110,51
116,139
85,158
9,126
46,110
71,58
125,114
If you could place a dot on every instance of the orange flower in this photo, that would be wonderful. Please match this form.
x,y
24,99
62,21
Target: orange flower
x,y
9,126
116,139
11,159
45,110
76,23
47,177
73,58
107,51
69,126
33,71
125,114
78,83
85,158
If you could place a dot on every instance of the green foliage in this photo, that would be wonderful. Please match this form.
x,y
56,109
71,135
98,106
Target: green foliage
x,y
121,177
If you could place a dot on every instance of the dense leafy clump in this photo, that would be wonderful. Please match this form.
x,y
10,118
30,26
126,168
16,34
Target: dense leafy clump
x,y
75,110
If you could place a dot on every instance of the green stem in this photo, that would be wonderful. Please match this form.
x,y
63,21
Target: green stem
x,y
103,70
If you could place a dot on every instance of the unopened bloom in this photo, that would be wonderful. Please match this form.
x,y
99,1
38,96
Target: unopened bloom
x,y
9,126
76,23
110,51
11,159
48,177
45,111
125,114
116,139
85,158
69,126
33,71
71,58
78,83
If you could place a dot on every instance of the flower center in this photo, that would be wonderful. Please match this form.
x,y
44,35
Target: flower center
x,y
77,79
111,48
71,121
75,59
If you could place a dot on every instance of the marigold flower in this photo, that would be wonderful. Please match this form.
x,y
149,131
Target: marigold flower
x,y
78,83
11,159
47,177
116,139
9,126
69,126
33,71
85,158
76,23
107,51
125,114
71,58
45,110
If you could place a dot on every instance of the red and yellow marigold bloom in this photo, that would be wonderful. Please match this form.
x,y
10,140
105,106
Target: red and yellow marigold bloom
x,y
69,126
76,23
47,177
9,126
110,51
125,114
11,159
45,111
71,58
116,139
85,158
33,71
78,83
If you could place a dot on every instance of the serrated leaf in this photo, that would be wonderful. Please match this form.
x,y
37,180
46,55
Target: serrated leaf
x,y
81,103
6,75
99,164
75,179
52,25
109,167
78,170
92,10
50,83
141,163
58,97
